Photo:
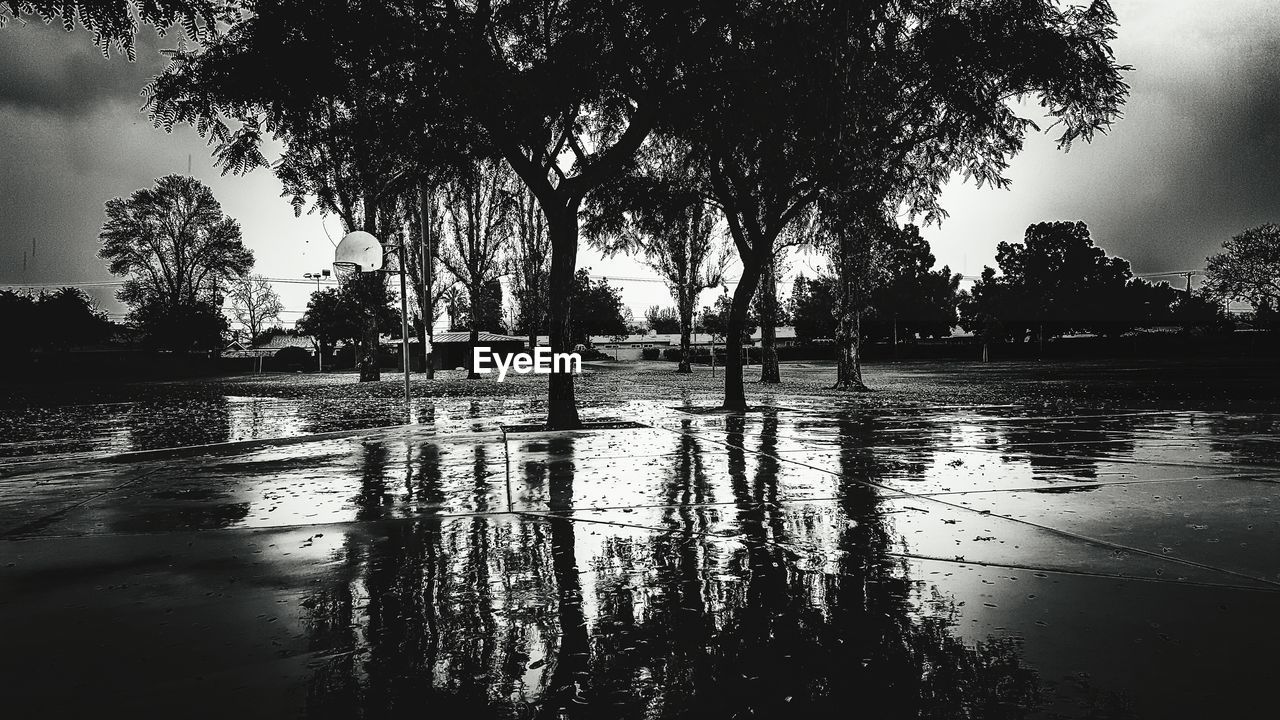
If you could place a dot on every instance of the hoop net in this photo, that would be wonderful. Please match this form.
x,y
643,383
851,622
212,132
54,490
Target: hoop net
x,y
344,271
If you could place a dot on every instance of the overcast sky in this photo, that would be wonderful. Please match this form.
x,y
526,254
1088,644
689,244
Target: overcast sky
x,y
1195,160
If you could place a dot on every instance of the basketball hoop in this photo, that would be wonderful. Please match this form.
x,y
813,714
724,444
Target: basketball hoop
x,y
344,271
357,252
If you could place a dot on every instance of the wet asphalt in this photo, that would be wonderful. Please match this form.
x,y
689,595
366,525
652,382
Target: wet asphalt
x,y
808,558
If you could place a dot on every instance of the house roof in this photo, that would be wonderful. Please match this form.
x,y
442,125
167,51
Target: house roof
x,y
464,337
280,342
782,332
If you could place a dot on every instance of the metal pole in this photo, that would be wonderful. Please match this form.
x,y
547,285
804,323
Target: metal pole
x,y
427,281
404,330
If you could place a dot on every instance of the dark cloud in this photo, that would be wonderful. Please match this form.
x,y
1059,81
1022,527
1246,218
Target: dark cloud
x,y
49,70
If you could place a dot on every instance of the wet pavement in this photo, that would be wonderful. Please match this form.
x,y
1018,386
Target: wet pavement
x,y
812,558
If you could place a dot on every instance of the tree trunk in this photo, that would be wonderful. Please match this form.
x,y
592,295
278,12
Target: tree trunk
x,y
769,323
368,361
562,227
686,328
533,340
849,356
848,317
735,397
474,339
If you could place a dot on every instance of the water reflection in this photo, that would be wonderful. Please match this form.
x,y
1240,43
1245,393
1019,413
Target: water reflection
x,y
709,606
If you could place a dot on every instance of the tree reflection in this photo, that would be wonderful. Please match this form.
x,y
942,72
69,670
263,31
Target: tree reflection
x,y
755,608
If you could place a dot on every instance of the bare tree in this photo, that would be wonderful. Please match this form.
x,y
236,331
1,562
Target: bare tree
x,y
425,268
529,266
478,231
254,303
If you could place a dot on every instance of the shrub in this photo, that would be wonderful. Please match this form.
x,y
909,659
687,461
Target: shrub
x,y
671,354
650,353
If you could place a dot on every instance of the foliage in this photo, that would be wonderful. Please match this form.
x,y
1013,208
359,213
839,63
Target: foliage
x,y
1057,281
662,320
173,244
116,22
1201,312
489,317
715,319
884,99
529,264
190,326
1248,268
650,353
254,303
910,293
600,309
477,233
58,320
336,314
812,307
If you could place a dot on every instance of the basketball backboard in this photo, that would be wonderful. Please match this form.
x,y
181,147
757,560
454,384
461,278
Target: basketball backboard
x,y
358,249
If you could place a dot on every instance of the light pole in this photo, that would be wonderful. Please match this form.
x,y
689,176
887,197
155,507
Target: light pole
x,y
318,276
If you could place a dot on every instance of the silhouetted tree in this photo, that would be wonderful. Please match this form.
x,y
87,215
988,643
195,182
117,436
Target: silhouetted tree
x,y
1248,268
601,311
812,307
912,298
173,245
884,100
1056,281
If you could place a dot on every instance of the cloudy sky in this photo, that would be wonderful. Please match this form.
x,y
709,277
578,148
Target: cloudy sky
x,y
1195,160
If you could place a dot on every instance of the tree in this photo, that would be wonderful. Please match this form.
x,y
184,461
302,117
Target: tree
x,y
478,232
254,303
68,317
716,320
1248,268
564,92
657,212
528,266
172,243
328,319
52,321
662,320
1056,281
192,326
487,312
812,307
607,315
855,232
425,268
912,298
884,100
346,313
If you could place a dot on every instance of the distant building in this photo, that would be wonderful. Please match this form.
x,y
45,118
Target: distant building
x,y
784,336
632,347
449,350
